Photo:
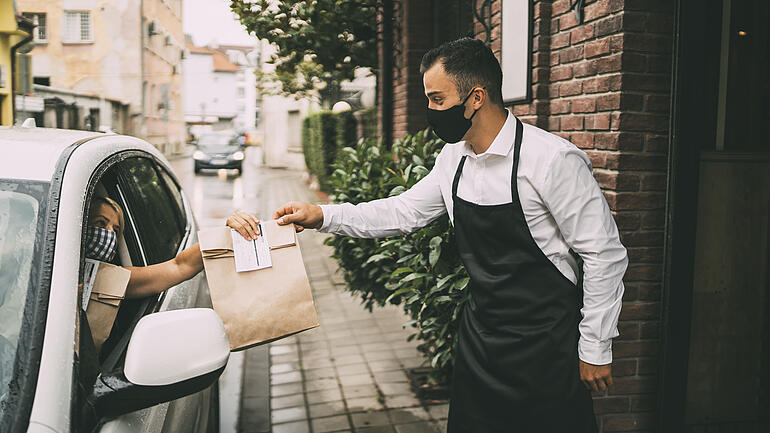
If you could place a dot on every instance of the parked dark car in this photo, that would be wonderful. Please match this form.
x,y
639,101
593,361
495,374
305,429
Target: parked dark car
x,y
218,150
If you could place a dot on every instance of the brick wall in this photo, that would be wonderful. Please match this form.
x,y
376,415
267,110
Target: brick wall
x,y
605,86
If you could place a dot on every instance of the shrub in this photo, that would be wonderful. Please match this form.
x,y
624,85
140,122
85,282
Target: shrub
x,y
420,271
368,119
323,134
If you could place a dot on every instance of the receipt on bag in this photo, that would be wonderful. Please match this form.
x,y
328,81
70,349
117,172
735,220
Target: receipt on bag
x,y
250,255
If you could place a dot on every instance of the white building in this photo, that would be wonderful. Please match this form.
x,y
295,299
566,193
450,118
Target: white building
x,y
211,83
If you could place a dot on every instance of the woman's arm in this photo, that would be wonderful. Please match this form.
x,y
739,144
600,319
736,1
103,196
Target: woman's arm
x,y
153,279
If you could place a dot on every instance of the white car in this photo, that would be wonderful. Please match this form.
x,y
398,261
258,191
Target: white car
x,y
158,370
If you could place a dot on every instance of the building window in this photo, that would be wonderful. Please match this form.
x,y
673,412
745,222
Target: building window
x,y
77,26
241,92
41,31
515,47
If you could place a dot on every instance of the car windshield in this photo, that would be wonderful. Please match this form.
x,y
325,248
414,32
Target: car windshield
x,y
21,223
218,142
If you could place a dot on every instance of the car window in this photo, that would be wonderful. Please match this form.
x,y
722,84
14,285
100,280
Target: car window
x,y
173,190
157,216
22,217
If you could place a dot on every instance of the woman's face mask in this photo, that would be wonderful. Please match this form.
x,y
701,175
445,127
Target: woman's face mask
x,y
100,244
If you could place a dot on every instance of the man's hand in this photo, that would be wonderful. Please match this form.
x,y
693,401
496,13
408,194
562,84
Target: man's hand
x,y
596,378
304,215
244,223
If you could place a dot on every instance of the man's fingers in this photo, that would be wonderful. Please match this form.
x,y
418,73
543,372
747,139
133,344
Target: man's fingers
x,y
283,210
290,218
244,228
595,385
253,222
601,384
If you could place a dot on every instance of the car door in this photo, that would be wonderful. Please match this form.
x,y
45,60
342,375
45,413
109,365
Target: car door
x,y
162,226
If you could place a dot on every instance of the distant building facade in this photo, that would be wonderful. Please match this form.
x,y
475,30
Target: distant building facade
x,y
125,54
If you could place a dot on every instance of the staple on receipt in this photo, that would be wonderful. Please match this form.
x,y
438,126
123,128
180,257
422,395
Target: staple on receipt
x,y
250,255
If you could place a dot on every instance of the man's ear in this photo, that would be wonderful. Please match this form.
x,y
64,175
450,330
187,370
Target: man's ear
x,y
479,97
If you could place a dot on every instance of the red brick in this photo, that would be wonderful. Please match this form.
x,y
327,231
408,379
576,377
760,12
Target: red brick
x,y
634,62
643,272
648,43
657,103
572,123
626,349
628,331
584,69
560,6
604,405
653,220
660,23
631,102
645,254
559,40
624,367
649,330
617,181
583,140
628,422
560,106
634,21
627,220
597,48
629,161
649,291
648,365
654,182
540,107
609,64
655,143
541,59
596,10
598,159
582,33
541,75
647,82
521,110
608,102
561,73
600,121
602,84
571,54
608,26
584,105
570,88
639,201
641,122
554,59
567,21
643,403
617,42
554,123
641,238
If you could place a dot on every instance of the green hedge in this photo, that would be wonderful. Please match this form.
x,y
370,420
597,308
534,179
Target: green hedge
x,y
369,122
323,134
420,271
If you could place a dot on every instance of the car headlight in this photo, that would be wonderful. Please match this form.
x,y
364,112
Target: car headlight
x,y
238,156
198,155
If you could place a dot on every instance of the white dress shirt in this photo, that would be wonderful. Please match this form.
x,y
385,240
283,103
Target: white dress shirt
x,y
562,203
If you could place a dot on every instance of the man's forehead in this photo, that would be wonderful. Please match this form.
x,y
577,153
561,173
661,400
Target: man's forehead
x,y
437,81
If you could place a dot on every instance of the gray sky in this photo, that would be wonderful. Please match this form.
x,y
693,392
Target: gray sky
x,y
208,20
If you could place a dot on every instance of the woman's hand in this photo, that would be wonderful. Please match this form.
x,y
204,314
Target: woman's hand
x,y
244,223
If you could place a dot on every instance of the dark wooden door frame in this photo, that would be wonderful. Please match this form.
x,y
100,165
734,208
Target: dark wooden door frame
x,y
688,111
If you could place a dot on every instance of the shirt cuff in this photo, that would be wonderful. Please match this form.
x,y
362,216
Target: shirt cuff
x,y
329,213
595,352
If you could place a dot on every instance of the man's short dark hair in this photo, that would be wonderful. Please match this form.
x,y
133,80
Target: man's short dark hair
x,y
469,63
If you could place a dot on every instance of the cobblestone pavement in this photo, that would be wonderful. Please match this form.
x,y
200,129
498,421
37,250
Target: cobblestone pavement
x,y
349,374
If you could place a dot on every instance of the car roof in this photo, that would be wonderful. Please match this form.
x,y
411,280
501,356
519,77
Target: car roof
x,y
33,153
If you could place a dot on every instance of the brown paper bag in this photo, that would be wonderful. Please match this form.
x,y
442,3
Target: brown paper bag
x,y
108,290
263,305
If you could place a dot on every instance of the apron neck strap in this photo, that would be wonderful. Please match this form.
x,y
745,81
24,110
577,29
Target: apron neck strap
x,y
458,172
516,152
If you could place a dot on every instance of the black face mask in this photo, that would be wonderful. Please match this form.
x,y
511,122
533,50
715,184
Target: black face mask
x,y
451,125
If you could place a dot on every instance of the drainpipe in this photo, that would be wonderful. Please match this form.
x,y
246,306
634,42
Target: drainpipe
x,y
387,73
26,39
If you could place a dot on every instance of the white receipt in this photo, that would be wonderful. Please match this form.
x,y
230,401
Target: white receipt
x,y
89,275
250,255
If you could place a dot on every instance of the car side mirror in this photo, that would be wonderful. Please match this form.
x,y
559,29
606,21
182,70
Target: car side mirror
x,y
171,354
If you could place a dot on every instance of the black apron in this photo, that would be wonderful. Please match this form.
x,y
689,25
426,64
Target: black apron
x,y
516,365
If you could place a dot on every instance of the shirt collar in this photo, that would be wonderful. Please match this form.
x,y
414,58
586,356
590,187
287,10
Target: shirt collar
x,y
502,143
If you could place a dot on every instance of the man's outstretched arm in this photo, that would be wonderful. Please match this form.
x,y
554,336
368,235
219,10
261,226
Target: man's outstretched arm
x,y
390,216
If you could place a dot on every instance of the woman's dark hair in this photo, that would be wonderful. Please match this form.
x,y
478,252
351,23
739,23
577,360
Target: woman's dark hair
x,y
469,63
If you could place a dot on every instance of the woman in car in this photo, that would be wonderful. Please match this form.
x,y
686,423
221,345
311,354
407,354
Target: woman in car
x,y
105,226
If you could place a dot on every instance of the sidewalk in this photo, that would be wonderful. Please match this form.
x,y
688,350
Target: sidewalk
x,y
348,375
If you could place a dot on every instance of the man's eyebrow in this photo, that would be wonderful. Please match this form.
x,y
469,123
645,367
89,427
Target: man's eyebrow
x,y
435,92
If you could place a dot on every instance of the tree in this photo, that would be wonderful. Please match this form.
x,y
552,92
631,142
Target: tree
x,y
319,42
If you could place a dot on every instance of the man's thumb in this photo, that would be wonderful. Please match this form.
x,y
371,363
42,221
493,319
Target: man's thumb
x,y
288,219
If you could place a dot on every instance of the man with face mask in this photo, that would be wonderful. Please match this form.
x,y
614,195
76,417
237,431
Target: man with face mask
x,y
531,344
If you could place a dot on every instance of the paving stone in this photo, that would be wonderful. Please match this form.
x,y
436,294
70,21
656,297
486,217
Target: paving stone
x,y
329,408
356,379
370,419
317,363
292,427
363,404
288,414
283,378
400,401
284,368
348,359
345,350
408,414
287,389
419,427
397,376
316,354
379,355
385,365
330,424
378,429
287,401
359,391
282,350
320,373
392,389
252,417
352,369
289,357
321,384
323,396
439,411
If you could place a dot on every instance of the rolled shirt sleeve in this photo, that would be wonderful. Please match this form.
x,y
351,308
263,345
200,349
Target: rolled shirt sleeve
x,y
581,212
404,213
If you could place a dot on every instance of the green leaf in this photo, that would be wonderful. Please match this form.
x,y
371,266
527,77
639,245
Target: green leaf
x,y
400,271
